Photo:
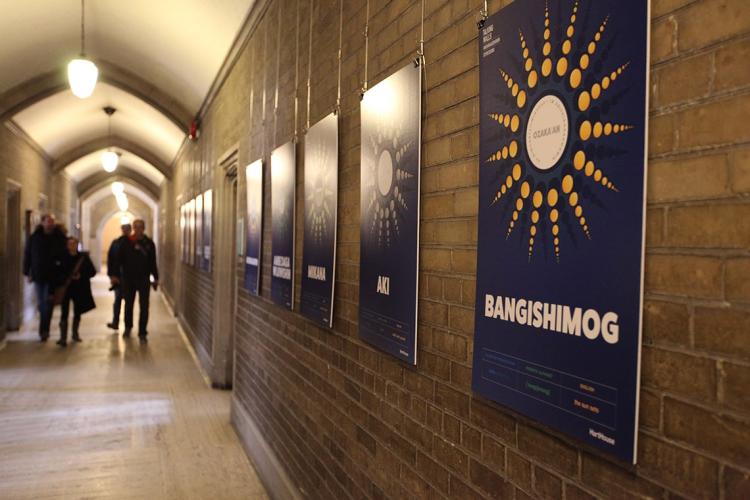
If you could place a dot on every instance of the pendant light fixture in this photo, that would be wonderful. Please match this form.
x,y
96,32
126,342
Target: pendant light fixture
x,y
82,72
110,158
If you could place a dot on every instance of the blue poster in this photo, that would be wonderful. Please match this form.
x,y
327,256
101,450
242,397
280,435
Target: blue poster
x,y
207,228
199,231
563,100
283,174
389,213
321,198
254,228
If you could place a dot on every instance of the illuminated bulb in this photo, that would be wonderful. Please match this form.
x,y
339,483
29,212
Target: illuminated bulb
x,y
110,161
122,201
118,187
82,76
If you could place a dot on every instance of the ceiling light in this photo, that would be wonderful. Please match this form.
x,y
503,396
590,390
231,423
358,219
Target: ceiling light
x,y
110,158
82,75
110,161
82,72
122,201
118,187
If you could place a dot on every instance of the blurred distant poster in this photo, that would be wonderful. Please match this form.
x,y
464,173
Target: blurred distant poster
x,y
283,175
321,199
254,225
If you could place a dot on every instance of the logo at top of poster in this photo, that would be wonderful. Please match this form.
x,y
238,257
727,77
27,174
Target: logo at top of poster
x,y
388,164
557,128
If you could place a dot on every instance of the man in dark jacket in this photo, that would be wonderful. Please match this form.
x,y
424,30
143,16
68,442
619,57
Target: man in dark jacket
x,y
42,266
137,260
78,271
114,272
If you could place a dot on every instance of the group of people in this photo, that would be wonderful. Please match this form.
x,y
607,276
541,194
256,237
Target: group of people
x,y
61,275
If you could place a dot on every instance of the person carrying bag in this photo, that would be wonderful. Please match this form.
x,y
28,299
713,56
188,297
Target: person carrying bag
x,y
77,287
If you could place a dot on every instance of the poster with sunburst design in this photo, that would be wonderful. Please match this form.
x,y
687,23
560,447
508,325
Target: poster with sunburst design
x,y
254,225
321,199
191,231
283,175
389,213
199,231
562,166
207,228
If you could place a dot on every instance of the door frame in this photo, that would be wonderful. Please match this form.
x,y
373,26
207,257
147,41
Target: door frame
x,y
224,213
12,320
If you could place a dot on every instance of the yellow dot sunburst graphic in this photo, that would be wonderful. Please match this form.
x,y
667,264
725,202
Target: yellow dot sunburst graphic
x,y
553,117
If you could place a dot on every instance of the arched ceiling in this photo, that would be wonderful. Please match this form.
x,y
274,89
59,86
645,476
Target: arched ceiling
x,y
90,164
181,44
62,121
157,63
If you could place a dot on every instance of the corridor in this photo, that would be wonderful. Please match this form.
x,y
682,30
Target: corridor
x,y
109,418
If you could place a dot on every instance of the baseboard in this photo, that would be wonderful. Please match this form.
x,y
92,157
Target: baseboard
x,y
273,475
168,301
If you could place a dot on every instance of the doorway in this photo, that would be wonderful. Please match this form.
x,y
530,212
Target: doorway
x,y
224,265
13,254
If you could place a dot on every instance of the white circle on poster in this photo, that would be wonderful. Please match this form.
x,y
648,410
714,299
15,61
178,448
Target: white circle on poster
x,y
547,132
385,173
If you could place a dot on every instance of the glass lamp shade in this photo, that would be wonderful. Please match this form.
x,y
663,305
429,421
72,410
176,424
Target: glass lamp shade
x,y
82,76
118,187
110,161
122,202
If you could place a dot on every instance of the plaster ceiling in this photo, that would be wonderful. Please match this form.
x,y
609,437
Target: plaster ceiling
x,y
62,122
178,45
90,164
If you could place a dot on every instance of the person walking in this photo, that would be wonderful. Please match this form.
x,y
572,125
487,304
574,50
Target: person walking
x,y
115,273
78,271
137,260
42,260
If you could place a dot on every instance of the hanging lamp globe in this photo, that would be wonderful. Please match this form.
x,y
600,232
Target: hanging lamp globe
x,y
82,76
110,159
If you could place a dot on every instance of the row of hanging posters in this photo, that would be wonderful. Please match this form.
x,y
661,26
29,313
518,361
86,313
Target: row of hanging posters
x,y
195,230
321,198
389,221
563,100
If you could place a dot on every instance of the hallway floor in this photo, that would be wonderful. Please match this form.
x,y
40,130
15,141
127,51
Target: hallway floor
x,y
109,418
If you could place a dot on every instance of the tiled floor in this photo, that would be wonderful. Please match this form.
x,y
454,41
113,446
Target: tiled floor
x,y
109,418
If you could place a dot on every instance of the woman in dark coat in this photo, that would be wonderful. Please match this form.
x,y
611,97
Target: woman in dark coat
x,y
78,271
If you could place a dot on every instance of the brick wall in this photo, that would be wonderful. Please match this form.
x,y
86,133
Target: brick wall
x,y
19,162
348,421
192,292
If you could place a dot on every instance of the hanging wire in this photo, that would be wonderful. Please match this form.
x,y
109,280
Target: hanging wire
x,y
278,72
420,51
367,44
83,37
309,63
483,14
296,71
341,36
